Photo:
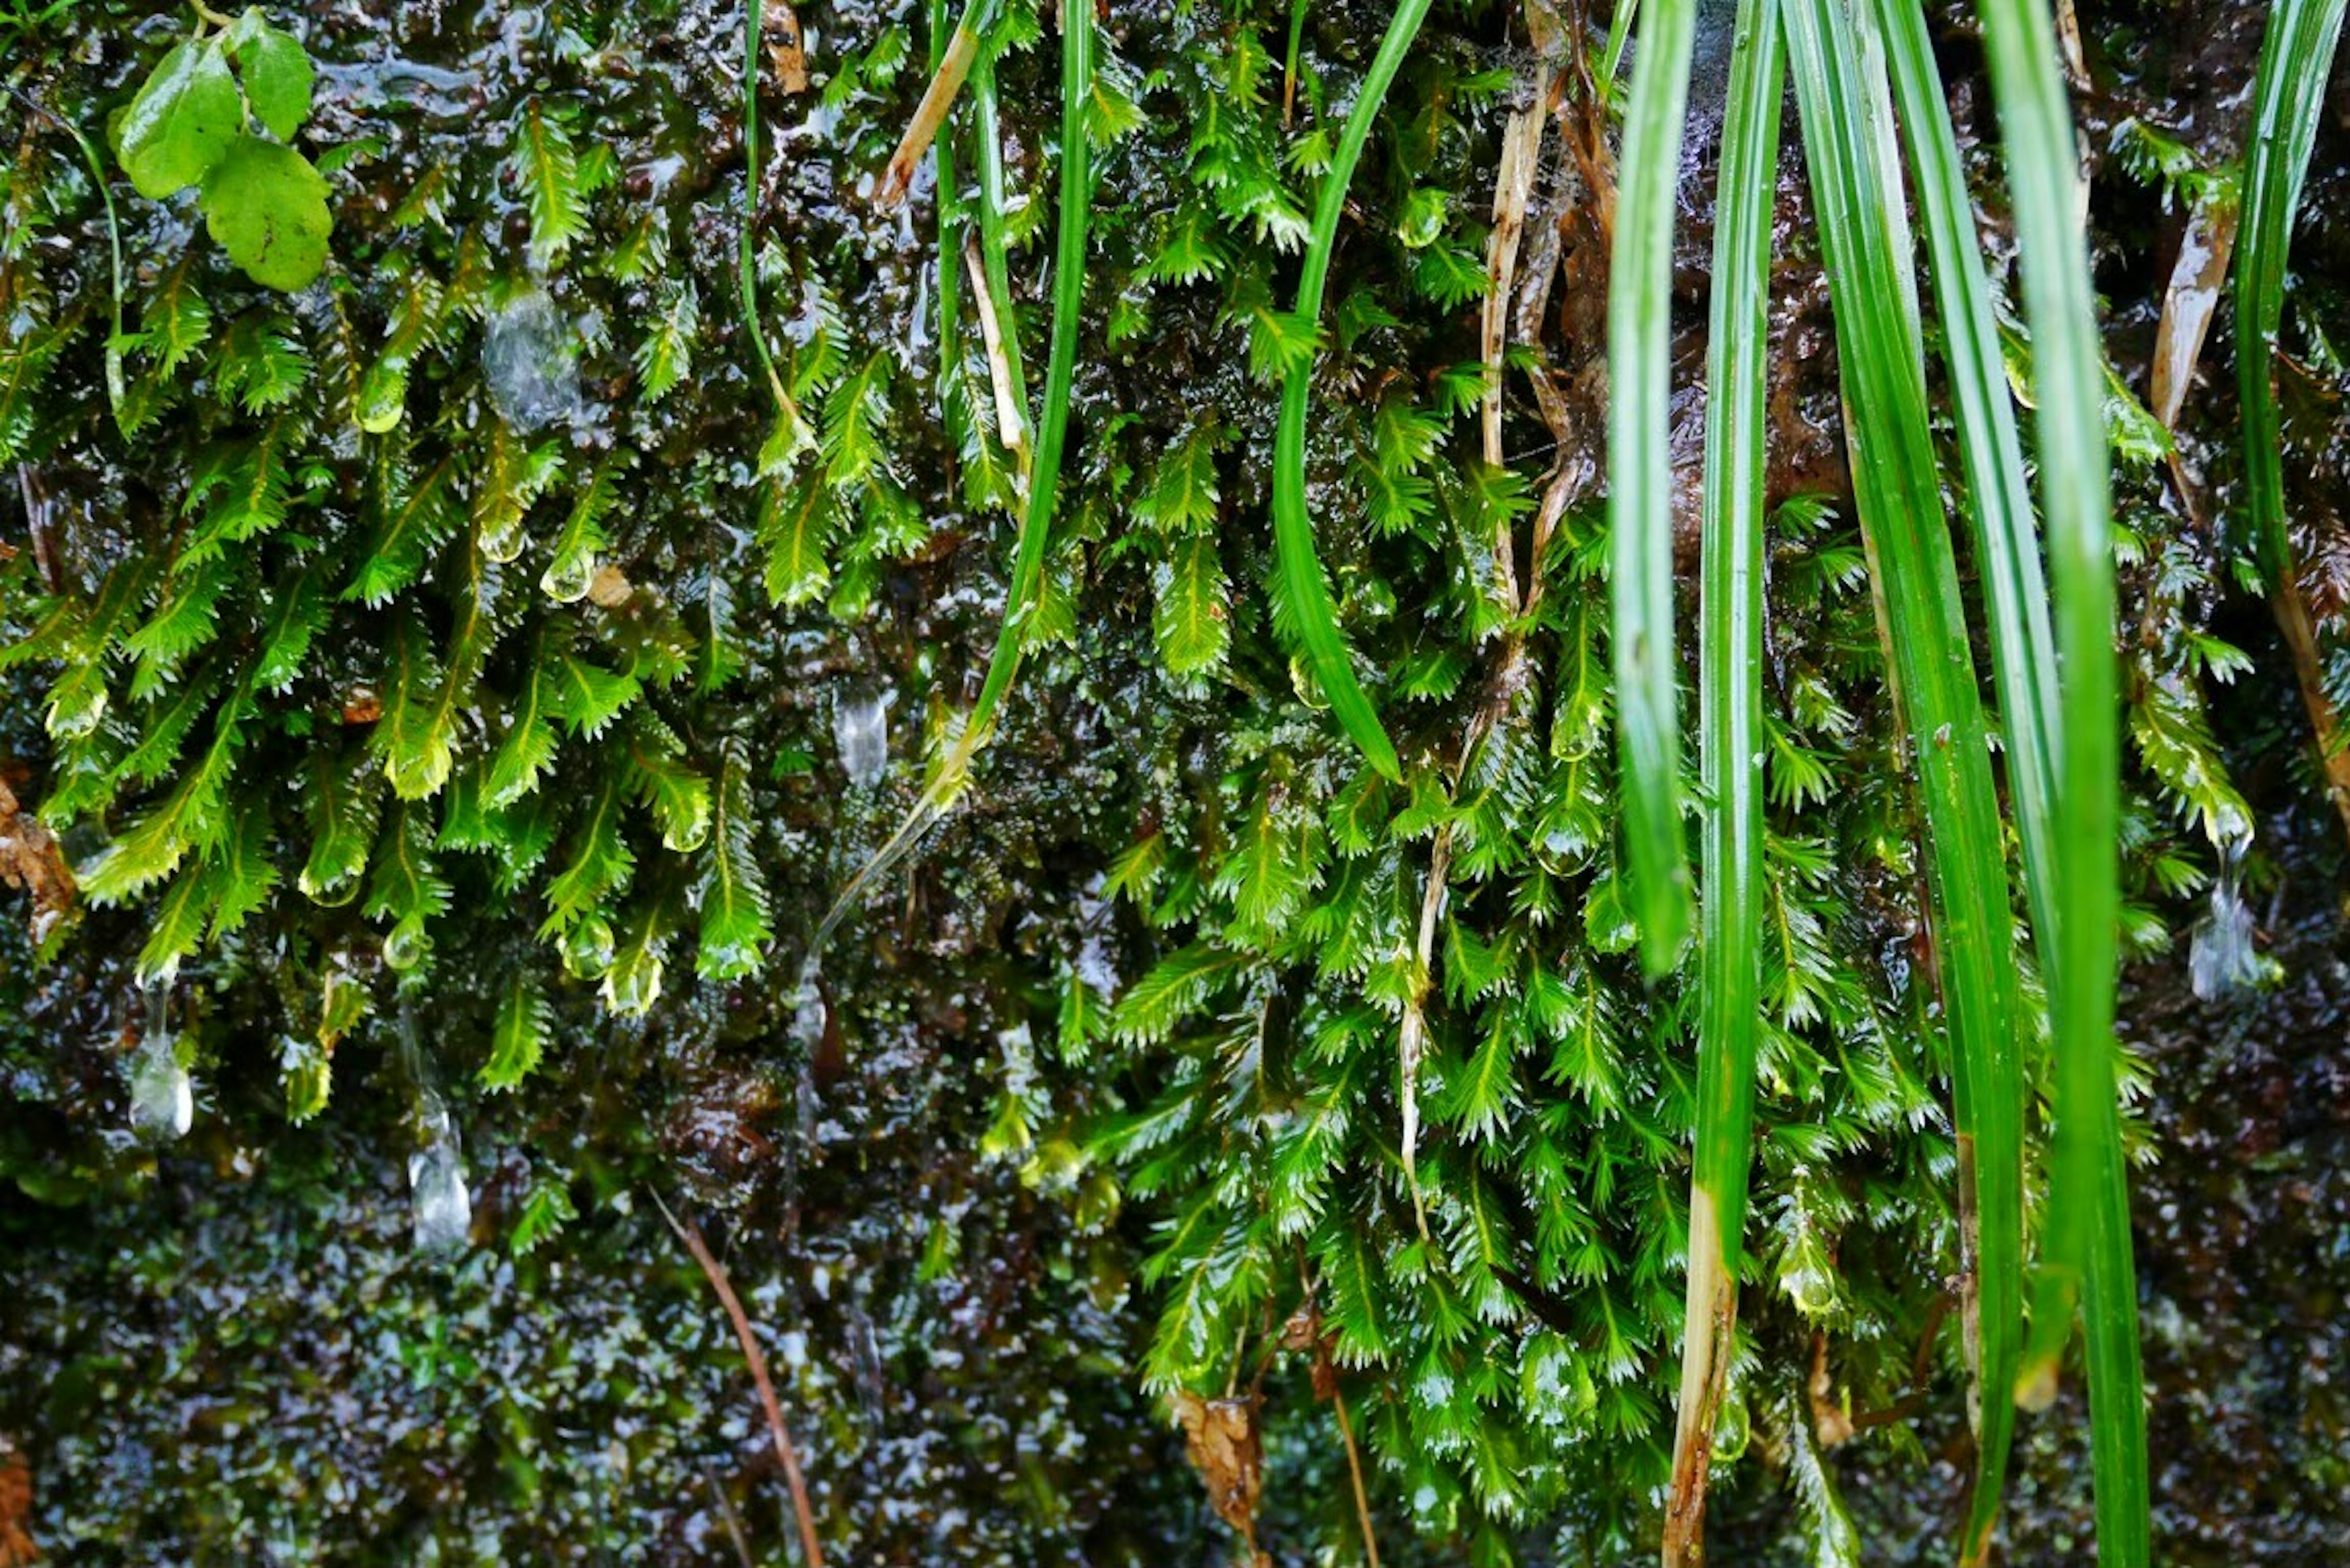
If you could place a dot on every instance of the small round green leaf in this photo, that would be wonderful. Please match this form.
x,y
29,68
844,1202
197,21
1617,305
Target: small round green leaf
x,y
267,208
182,122
278,78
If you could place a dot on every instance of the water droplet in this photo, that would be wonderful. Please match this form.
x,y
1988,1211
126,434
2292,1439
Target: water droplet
x,y
1733,1426
1812,1289
504,539
438,1205
689,830
530,357
75,708
633,987
162,1095
568,577
405,945
383,397
860,728
2221,957
587,948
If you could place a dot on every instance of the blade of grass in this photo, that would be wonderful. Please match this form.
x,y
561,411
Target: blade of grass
x,y
2087,1231
1012,392
1991,453
949,66
1611,54
115,389
950,217
754,21
1289,61
2287,96
952,769
1640,480
1729,734
1303,587
1895,484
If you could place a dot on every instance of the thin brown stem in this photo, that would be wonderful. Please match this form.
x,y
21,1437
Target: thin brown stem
x,y
2308,670
1355,1473
715,1271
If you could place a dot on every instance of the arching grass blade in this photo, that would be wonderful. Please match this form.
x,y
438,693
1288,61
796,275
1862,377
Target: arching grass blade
x,y
2087,1233
1640,479
1303,587
2287,96
950,218
995,271
1991,451
952,770
1730,734
1897,486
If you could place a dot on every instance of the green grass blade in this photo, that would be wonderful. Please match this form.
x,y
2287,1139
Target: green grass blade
x,y
115,391
950,216
1640,479
1729,734
1304,586
754,21
994,251
952,770
1289,60
1897,485
1991,451
2087,1234
2296,55
1060,367
2287,96
1611,54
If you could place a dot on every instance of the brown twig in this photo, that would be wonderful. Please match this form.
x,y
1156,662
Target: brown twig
x,y
715,1271
1355,1474
728,1517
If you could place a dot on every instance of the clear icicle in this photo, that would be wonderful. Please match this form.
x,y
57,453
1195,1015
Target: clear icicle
x,y
530,358
2221,957
439,1205
162,1095
440,1208
860,728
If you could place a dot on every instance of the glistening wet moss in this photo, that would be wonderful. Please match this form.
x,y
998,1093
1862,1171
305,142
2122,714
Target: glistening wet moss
x,y
988,1240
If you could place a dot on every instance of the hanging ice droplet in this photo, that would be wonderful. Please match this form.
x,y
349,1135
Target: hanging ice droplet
x,y
162,1095
807,1016
438,1205
2221,957
860,728
530,357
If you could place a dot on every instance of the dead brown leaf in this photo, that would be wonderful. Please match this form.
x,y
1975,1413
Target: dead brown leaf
x,y
32,862
1222,1437
16,1547
608,589
2188,303
785,52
